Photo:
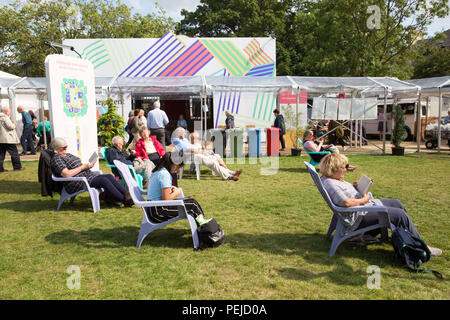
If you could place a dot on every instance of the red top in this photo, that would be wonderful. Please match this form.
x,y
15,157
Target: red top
x,y
141,151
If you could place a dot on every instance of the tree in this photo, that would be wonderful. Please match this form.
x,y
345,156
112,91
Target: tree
x,y
435,60
27,25
326,37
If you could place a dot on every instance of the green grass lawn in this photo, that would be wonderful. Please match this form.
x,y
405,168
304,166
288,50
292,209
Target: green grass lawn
x,y
275,227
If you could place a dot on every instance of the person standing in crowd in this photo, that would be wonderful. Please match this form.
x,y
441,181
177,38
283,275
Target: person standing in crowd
x,y
279,123
142,118
181,122
135,127
156,122
40,131
130,126
229,121
8,140
26,140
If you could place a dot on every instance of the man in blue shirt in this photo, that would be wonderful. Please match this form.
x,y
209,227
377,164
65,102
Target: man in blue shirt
x,y
26,140
447,118
156,121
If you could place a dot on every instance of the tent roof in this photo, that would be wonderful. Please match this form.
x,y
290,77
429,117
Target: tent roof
x,y
431,85
8,75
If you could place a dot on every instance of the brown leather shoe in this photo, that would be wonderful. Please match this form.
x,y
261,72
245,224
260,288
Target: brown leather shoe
x,y
127,201
238,172
234,178
4,170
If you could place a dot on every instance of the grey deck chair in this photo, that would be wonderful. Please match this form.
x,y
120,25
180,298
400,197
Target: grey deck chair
x,y
93,193
337,224
148,226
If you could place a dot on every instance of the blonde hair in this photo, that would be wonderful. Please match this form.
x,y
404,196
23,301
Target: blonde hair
x,y
194,136
306,134
331,163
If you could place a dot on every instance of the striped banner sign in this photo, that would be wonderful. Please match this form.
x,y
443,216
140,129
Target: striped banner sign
x,y
230,101
155,58
256,55
96,53
227,54
188,63
265,70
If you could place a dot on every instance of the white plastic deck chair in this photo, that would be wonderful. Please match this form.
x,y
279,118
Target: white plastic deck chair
x,y
93,192
337,224
193,166
148,226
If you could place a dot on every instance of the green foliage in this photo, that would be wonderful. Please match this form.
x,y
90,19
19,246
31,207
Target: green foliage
x,y
327,37
26,25
110,124
292,120
435,63
398,132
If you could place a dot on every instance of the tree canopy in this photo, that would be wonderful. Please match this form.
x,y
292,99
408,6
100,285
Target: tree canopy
x,y
27,25
327,37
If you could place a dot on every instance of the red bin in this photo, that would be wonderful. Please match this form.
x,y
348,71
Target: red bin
x,y
273,142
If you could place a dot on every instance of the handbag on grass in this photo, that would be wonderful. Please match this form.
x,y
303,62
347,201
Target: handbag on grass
x,y
411,250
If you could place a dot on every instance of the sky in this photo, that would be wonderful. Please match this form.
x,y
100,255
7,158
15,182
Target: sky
x,y
173,9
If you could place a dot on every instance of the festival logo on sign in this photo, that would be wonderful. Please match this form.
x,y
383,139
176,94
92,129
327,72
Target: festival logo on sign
x,y
74,95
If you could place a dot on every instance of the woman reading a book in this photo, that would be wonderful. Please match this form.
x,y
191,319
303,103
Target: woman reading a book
x,y
64,164
333,168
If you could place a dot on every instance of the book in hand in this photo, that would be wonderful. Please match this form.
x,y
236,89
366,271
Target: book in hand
x,y
93,158
364,184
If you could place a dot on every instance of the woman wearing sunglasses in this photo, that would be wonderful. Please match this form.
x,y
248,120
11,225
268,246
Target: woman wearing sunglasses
x,y
67,165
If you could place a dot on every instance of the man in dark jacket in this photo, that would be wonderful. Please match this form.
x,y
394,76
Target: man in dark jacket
x,y
229,121
279,123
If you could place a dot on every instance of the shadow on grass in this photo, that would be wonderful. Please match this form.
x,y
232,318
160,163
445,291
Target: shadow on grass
x,y
49,204
20,187
303,170
122,237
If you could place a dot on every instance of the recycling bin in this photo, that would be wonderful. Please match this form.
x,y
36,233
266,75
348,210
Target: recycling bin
x,y
219,140
273,142
236,140
254,142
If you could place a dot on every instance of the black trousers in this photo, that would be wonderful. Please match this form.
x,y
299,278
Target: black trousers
x,y
111,186
12,150
397,216
26,140
283,144
160,135
161,214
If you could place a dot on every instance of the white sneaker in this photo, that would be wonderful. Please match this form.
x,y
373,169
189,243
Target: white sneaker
x,y
435,252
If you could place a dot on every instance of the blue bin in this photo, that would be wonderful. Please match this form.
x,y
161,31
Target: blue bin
x,y
254,142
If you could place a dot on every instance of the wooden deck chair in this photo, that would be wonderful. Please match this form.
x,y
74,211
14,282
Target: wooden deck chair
x,y
93,193
314,156
337,224
147,226
136,176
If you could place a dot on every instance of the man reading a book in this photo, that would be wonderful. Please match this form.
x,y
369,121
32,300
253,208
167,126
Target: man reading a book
x,y
345,194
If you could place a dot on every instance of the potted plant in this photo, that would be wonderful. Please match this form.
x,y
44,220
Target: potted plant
x,y
110,124
294,129
398,132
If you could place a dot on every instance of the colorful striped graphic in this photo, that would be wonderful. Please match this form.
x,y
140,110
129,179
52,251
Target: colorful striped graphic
x,y
227,54
263,106
120,54
256,55
228,101
265,70
155,58
188,63
96,53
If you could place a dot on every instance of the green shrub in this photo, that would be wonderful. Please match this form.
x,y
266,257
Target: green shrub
x,y
110,124
398,132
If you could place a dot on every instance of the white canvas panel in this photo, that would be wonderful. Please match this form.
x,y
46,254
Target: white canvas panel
x,y
318,108
331,108
344,106
371,109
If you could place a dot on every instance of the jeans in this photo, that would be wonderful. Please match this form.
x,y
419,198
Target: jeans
x,y
111,186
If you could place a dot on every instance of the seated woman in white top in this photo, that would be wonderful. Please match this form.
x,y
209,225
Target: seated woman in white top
x,y
345,194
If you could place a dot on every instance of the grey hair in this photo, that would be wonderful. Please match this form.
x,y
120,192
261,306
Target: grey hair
x,y
156,104
5,108
57,143
178,131
116,139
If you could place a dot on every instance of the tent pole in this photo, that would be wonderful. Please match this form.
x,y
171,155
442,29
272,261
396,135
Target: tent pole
x,y
426,113
296,116
439,120
41,104
419,124
384,121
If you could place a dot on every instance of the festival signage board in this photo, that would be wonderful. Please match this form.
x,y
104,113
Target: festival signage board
x,y
72,105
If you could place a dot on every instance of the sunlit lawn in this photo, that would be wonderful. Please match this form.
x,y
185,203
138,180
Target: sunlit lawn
x,y
275,227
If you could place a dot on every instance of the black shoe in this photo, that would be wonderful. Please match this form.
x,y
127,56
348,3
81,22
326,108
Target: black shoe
x,y
22,154
4,170
128,201
33,153
20,169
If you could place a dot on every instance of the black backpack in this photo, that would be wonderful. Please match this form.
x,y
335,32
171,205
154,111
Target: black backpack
x,y
411,250
210,235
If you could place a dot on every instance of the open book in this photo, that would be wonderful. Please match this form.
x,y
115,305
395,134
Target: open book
x,y
364,184
93,158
